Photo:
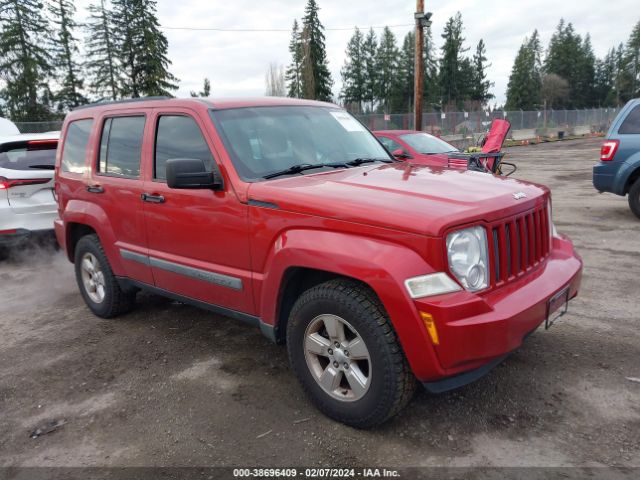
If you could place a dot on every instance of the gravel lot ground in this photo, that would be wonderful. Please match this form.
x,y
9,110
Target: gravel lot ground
x,y
170,385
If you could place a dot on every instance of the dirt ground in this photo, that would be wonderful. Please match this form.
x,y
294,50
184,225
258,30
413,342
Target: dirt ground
x,y
171,385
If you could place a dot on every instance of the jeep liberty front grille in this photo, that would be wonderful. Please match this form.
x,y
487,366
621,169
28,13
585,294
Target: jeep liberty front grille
x,y
518,244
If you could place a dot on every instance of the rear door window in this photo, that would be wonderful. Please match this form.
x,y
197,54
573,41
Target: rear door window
x,y
29,155
75,146
121,146
178,136
631,124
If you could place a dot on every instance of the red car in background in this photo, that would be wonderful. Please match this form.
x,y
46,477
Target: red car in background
x,y
418,147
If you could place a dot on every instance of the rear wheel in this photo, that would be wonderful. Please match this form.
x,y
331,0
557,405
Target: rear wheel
x,y
634,198
344,351
98,285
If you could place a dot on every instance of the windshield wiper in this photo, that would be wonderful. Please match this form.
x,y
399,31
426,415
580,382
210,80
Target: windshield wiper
x,y
360,161
301,168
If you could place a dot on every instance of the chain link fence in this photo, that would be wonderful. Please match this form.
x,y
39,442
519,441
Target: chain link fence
x,y
39,127
464,128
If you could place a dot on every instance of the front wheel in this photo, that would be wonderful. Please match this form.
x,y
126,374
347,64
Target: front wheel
x,y
345,354
634,198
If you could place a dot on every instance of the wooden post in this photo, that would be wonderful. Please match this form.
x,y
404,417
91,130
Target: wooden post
x,y
418,84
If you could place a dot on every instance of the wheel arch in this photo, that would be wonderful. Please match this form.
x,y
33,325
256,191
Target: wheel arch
x,y
296,281
82,218
75,231
631,179
303,258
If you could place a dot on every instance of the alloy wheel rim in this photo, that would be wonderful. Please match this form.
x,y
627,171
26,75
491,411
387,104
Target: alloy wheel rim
x,y
92,277
337,357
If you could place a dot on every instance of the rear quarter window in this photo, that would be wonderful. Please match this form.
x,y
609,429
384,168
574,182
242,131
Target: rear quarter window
x,y
75,146
631,124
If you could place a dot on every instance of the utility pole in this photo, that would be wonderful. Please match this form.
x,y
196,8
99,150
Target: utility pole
x,y
418,76
422,20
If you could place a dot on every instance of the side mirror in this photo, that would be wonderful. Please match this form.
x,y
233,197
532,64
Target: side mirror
x,y
190,173
400,154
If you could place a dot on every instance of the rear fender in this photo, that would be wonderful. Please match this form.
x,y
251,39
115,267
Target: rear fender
x,y
381,265
90,214
628,171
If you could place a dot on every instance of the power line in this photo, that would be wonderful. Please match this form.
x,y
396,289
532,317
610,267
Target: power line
x,y
240,30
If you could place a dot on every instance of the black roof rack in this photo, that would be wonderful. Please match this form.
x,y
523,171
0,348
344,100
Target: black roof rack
x,y
116,102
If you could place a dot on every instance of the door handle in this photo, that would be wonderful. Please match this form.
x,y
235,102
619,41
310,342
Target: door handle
x,y
95,189
152,198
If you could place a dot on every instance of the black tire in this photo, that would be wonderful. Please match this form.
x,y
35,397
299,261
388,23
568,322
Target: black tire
x,y
392,383
634,198
116,301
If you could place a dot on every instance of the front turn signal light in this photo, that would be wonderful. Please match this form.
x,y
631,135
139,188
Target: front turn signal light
x,y
431,327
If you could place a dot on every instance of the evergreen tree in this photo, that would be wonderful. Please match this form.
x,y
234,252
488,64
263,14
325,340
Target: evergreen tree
x,y
567,58
294,71
353,72
308,78
206,90
453,71
586,76
24,61
466,76
143,48
65,51
480,85
387,61
525,81
432,95
605,80
404,91
103,63
623,80
370,52
632,61
316,78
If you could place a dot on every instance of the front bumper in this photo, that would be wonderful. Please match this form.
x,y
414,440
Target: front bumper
x,y
475,330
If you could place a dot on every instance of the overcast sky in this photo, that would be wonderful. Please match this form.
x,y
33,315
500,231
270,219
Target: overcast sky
x,y
236,62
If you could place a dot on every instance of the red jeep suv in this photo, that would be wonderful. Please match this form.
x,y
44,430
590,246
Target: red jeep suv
x,y
291,216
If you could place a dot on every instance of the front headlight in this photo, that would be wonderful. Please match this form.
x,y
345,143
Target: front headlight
x,y
468,257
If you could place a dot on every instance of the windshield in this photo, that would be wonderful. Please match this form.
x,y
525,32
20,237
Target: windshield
x,y
265,140
29,155
425,143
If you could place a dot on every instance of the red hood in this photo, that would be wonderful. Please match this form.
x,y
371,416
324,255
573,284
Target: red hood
x,y
410,198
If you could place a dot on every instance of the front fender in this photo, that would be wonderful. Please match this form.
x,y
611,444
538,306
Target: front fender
x,y
91,215
382,265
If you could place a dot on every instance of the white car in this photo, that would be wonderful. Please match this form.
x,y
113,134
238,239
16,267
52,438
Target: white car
x,y
27,203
